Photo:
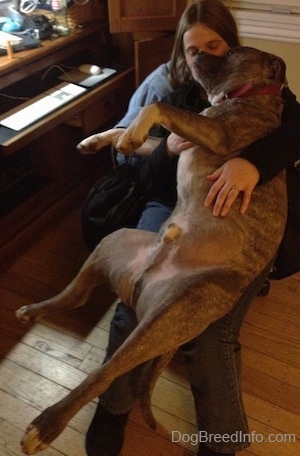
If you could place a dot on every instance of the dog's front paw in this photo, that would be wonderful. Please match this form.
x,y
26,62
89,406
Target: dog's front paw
x,y
31,442
26,314
129,142
45,428
91,145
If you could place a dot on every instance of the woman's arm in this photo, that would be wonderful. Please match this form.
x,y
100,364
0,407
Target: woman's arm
x,y
260,162
281,148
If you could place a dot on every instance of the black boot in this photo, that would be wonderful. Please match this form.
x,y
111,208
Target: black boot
x,y
205,451
106,433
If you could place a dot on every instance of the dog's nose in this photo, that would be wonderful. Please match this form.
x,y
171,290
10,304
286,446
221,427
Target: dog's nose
x,y
201,54
200,58
208,61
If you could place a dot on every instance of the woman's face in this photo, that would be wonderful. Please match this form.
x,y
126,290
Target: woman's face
x,y
199,38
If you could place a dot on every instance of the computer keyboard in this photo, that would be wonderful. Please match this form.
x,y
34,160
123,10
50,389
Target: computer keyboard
x,y
42,107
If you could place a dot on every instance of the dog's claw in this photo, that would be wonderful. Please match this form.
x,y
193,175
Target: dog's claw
x,y
89,145
31,442
45,428
24,314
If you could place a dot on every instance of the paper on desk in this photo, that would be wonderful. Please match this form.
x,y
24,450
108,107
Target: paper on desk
x,y
5,37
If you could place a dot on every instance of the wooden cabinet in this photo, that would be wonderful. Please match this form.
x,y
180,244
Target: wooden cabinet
x,y
144,15
149,54
152,24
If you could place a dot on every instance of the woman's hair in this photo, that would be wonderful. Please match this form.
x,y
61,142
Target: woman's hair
x,y
214,15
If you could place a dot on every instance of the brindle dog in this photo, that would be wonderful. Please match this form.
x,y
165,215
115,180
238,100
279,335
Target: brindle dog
x,y
197,267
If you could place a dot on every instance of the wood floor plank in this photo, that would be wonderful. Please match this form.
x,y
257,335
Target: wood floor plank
x,y
28,386
276,417
57,344
282,394
275,326
46,366
263,441
280,370
270,344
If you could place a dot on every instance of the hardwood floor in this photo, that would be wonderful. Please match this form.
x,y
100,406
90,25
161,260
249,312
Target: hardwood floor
x,y
41,362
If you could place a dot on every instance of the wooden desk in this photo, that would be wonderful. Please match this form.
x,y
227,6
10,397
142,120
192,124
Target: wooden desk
x,y
51,142
94,108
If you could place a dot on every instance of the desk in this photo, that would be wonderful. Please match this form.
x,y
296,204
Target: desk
x,y
51,141
95,107
89,111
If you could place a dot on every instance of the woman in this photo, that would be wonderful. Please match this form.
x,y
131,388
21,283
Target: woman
x,y
213,358
155,87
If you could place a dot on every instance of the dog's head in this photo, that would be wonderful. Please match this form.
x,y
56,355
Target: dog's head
x,y
240,67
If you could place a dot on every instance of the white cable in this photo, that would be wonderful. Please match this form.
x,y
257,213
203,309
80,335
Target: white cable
x,y
27,6
60,67
81,2
12,97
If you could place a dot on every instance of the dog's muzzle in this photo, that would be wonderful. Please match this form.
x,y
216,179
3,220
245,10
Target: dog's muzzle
x,y
207,62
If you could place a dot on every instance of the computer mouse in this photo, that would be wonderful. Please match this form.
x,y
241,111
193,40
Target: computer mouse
x,y
90,69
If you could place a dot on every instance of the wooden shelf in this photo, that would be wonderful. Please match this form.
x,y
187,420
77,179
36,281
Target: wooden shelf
x,y
28,62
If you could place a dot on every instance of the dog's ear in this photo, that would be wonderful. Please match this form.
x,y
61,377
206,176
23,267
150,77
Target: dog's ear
x,y
278,67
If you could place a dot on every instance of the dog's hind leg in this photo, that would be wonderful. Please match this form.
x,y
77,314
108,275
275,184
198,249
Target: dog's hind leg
x,y
175,314
74,295
113,261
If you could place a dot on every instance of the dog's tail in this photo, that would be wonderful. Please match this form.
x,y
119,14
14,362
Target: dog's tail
x,y
152,376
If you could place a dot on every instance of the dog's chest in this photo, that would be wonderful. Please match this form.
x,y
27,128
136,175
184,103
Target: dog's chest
x,y
194,165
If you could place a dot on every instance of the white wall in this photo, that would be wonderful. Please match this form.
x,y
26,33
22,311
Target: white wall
x,y
290,52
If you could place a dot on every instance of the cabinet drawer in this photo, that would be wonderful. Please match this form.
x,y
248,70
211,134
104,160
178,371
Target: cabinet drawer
x,y
105,111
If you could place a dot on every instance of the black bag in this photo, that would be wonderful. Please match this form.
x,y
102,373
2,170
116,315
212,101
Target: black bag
x,y
288,257
115,201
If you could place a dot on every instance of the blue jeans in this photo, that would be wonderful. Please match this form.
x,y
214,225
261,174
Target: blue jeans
x,y
213,360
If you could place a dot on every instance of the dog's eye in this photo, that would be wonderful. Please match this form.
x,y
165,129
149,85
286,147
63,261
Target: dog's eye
x,y
230,52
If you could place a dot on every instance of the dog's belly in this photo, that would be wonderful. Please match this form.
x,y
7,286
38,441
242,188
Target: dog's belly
x,y
247,241
194,165
192,239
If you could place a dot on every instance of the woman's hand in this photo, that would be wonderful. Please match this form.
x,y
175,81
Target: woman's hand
x,y
235,176
176,145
